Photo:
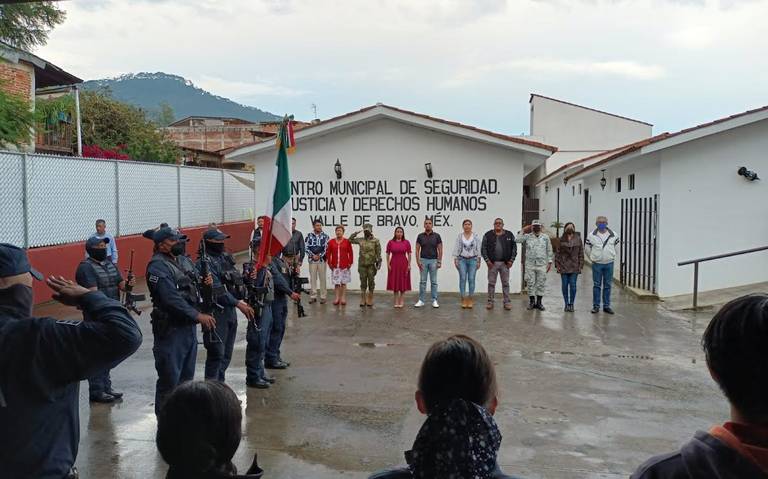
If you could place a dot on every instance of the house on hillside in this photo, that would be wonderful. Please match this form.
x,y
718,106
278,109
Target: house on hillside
x,y
203,138
35,79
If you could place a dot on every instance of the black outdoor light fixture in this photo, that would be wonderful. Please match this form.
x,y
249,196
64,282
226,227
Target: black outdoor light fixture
x,y
748,174
428,167
546,187
337,169
603,181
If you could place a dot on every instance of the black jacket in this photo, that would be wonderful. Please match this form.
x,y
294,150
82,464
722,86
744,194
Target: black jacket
x,y
704,457
488,248
42,362
405,473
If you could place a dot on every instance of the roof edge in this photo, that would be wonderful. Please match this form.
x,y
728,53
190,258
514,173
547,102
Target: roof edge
x,y
588,108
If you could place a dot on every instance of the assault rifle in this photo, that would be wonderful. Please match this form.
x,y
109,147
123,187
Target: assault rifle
x,y
208,303
297,285
129,299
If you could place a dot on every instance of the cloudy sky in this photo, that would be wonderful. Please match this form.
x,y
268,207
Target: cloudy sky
x,y
673,63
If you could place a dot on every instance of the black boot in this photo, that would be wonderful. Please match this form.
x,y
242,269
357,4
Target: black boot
x,y
539,306
532,302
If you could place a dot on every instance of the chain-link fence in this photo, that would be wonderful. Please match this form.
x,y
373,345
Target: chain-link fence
x,y
47,200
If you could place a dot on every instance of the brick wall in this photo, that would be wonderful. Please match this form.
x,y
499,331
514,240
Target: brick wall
x,y
16,79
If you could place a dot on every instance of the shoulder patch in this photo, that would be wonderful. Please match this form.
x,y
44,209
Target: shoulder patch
x,y
153,278
69,322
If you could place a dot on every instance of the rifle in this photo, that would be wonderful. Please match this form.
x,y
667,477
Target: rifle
x,y
129,299
297,285
208,303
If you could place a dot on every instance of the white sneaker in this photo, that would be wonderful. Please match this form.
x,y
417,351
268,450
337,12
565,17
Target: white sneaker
x,y
434,304
418,304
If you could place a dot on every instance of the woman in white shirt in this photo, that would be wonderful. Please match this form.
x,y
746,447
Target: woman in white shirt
x,y
466,257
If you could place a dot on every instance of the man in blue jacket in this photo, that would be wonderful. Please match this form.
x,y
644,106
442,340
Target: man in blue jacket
x,y
42,362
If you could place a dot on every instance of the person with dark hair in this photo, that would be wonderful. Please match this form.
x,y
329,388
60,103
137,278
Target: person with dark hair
x,y
498,250
457,391
340,259
735,348
97,273
43,360
429,258
399,266
569,260
199,430
466,258
317,247
101,233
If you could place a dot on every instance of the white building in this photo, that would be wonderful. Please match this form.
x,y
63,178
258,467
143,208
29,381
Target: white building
x,y
386,156
675,197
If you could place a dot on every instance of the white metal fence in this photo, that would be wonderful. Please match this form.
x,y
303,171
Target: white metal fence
x,y
48,200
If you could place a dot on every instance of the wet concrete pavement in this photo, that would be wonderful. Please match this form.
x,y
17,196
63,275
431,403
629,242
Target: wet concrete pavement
x,y
581,395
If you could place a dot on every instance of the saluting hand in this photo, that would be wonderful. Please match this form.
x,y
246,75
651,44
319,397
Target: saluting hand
x,y
66,291
206,321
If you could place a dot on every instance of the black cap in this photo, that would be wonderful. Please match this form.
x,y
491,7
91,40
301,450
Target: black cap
x,y
163,234
216,235
13,261
94,241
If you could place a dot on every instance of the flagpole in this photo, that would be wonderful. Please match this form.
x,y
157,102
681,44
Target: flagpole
x,y
280,140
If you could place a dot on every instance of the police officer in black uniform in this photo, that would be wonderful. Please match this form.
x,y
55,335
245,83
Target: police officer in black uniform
x,y
228,291
174,315
280,276
97,272
42,362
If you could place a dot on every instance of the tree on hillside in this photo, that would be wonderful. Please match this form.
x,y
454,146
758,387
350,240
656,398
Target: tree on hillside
x,y
112,125
164,116
16,120
27,25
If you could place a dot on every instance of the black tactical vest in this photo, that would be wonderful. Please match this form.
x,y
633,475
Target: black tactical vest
x,y
230,276
185,282
107,278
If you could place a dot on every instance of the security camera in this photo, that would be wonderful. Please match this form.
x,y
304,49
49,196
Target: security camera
x,y
748,174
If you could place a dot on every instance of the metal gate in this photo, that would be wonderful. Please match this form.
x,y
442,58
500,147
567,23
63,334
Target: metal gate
x,y
639,232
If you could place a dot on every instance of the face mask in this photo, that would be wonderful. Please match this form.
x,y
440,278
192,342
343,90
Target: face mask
x,y
17,299
214,248
99,254
569,230
179,248
602,226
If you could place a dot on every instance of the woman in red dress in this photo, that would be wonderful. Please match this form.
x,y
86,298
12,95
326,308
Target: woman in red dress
x,y
339,259
399,266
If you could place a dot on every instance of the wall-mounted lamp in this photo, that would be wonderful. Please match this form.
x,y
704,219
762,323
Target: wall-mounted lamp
x,y
748,174
337,169
546,187
428,167
565,180
603,181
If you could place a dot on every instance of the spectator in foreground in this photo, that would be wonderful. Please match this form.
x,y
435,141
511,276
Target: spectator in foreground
x,y
42,362
457,391
735,347
199,430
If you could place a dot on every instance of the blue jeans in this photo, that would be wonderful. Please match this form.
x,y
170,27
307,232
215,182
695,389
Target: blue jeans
x,y
256,345
569,287
277,331
602,276
220,345
429,267
467,272
175,355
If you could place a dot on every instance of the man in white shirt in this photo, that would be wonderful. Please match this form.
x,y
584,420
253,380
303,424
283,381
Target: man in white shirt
x,y
601,249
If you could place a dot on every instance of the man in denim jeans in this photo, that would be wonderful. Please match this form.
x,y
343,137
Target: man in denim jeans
x,y
429,256
601,249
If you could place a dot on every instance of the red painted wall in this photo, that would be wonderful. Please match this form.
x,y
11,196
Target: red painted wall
x,y
62,260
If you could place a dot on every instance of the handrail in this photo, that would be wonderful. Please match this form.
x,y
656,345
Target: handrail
x,y
695,263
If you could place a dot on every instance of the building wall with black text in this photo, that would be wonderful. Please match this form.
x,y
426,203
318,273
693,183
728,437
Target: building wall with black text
x,y
384,182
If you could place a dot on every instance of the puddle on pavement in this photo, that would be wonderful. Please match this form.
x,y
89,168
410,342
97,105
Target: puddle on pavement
x,y
603,355
373,345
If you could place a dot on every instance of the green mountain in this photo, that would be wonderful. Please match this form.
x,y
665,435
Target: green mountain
x,y
149,91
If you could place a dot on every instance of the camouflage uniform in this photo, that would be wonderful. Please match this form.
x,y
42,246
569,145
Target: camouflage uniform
x,y
538,254
369,261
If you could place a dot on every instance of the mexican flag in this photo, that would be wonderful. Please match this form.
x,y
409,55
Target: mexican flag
x,y
277,219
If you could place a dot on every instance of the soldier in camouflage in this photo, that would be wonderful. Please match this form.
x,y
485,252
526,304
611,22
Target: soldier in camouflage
x,y
368,264
538,261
